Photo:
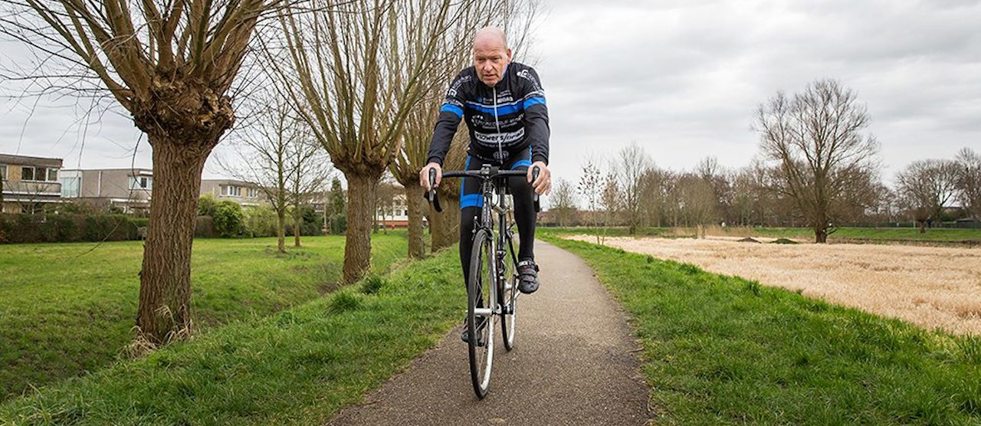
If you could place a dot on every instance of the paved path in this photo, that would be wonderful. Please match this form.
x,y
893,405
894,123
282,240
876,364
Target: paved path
x,y
574,362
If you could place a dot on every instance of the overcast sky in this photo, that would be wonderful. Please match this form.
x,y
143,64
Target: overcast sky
x,y
680,78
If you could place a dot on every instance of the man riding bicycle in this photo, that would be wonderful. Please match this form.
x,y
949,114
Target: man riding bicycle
x,y
504,107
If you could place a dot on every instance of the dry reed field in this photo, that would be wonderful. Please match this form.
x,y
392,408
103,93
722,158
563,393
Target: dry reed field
x,y
928,286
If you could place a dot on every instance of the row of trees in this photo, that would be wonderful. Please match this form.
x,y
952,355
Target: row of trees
x,y
352,73
817,167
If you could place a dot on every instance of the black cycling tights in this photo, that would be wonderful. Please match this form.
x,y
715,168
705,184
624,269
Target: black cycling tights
x,y
524,210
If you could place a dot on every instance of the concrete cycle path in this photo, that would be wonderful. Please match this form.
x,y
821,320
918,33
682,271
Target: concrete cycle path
x,y
574,362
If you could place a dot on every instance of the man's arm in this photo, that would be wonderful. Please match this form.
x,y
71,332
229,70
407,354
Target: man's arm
x,y
450,115
536,115
536,129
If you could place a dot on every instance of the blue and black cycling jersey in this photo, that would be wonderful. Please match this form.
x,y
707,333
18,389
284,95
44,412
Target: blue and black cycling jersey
x,y
504,119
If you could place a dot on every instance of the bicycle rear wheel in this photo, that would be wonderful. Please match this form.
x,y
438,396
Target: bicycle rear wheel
x,y
509,293
481,300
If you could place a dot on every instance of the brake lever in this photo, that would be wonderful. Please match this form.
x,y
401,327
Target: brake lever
x,y
432,195
534,176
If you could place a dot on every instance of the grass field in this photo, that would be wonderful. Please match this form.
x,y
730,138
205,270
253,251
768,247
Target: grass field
x,y
296,367
724,350
929,286
66,309
937,235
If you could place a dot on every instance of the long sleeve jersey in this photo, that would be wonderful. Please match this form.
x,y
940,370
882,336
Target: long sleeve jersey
x,y
508,117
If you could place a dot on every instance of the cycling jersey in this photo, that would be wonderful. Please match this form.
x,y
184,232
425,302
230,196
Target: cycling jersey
x,y
502,120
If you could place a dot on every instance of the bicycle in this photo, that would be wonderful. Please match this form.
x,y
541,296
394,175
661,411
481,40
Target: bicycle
x,y
495,247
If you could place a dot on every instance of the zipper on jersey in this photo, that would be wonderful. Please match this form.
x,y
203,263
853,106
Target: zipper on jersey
x,y
497,123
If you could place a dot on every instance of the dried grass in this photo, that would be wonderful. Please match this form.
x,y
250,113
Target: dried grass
x,y
929,286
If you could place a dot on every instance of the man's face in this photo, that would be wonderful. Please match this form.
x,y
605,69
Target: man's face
x,y
490,59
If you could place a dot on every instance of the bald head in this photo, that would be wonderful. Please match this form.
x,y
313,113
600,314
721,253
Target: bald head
x,y
490,55
490,37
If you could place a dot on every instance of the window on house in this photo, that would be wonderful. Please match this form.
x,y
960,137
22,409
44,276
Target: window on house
x,y
3,171
71,187
140,182
52,175
27,173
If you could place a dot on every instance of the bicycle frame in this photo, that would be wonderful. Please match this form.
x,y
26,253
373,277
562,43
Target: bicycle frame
x,y
497,186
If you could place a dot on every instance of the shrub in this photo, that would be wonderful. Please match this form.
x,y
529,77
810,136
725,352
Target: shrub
x,y
62,227
260,221
228,219
207,205
204,227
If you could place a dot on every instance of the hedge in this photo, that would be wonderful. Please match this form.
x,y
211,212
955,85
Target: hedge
x,y
68,227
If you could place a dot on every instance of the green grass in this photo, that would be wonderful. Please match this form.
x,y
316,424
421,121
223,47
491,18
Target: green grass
x,y
298,367
65,310
847,234
720,349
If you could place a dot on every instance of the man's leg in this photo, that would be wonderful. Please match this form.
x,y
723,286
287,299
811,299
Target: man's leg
x,y
470,203
525,217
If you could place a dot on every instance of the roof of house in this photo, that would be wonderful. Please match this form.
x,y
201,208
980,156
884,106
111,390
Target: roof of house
x,y
30,161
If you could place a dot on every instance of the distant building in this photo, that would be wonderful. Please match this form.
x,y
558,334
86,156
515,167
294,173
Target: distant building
x,y
128,190
29,183
244,193
397,214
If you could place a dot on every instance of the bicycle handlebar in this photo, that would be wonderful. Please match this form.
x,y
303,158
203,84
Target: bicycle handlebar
x,y
433,197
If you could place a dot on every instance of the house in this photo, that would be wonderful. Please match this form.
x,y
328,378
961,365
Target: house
x,y
28,183
244,193
396,213
129,190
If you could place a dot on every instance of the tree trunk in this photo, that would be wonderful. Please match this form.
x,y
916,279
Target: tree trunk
x,y
297,221
413,201
281,230
164,312
445,226
357,245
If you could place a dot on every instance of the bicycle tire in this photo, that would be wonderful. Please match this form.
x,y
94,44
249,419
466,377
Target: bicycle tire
x,y
509,295
481,356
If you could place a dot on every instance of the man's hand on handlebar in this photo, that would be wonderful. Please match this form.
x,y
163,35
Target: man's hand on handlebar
x,y
424,175
543,185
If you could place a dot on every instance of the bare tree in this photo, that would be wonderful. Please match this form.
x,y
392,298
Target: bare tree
x,y
969,181
611,199
264,155
816,139
632,163
655,186
718,179
309,173
697,201
170,64
563,202
925,187
355,73
590,187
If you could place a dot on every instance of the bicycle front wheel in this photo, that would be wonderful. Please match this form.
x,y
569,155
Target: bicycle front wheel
x,y
509,293
481,300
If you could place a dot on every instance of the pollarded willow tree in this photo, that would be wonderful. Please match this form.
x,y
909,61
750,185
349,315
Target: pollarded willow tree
x,y
816,139
171,65
355,72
